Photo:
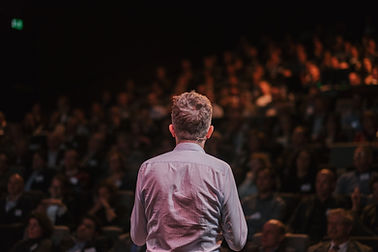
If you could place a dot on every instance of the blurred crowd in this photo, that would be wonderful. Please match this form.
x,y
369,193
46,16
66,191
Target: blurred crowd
x,y
280,109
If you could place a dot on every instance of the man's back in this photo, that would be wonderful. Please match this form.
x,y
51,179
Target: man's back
x,y
189,200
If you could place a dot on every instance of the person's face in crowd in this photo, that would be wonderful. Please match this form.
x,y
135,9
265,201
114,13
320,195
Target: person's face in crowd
x,y
271,236
115,163
15,185
367,64
34,230
56,188
324,185
256,164
70,159
362,160
122,99
303,164
298,137
264,181
38,162
103,193
86,230
265,88
337,229
95,142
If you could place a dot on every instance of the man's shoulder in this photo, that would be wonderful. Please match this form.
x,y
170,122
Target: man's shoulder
x,y
200,158
319,247
357,246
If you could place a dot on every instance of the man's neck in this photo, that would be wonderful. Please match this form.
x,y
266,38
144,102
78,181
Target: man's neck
x,y
202,144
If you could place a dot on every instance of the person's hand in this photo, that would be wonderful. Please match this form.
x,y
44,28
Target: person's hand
x,y
104,202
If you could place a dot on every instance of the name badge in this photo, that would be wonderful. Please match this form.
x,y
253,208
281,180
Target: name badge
x,y
74,180
255,216
365,176
92,162
306,187
34,247
18,212
39,178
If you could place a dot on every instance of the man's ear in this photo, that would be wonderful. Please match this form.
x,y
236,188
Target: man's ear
x,y
172,130
210,131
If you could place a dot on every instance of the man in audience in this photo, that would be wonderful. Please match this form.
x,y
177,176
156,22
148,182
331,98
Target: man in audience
x,y
39,177
310,215
272,238
363,161
85,237
369,215
15,207
265,205
339,227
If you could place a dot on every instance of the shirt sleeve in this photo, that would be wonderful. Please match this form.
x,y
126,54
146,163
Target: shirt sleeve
x,y
234,225
138,225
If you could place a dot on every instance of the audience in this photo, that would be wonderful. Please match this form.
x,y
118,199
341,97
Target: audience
x,y
285,104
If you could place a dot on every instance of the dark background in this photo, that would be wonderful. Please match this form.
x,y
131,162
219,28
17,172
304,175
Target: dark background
x,y
80,50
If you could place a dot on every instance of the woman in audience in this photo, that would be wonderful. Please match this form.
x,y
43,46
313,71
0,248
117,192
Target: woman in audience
x,y
38,232
301,177
105,206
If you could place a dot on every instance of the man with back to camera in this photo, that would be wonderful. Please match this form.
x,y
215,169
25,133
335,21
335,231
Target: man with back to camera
x,y
186,200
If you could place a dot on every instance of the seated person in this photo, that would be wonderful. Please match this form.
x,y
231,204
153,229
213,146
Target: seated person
x,y
310,215
39,177
79,179
301,177
272,239
38,234
105,206
369,215
59,205
15,206
248,186
117,173
85,238
360,176
264,206
339,227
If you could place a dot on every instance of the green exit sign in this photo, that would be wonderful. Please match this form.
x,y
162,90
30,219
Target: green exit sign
x,y
17,24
